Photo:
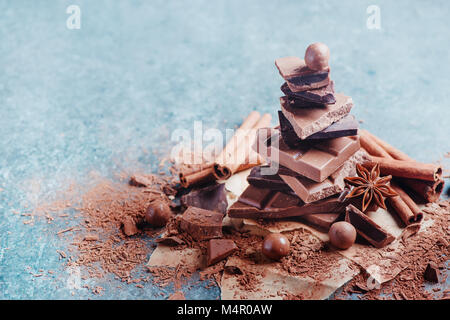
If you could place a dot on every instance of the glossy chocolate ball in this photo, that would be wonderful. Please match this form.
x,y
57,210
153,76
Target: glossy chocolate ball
x,y
317,56
158,213
275,246
342,235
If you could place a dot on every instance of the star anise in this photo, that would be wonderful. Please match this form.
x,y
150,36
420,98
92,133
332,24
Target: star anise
x,y
370,186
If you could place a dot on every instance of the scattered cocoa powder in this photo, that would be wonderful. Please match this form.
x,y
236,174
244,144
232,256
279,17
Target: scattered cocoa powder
x,y
103,247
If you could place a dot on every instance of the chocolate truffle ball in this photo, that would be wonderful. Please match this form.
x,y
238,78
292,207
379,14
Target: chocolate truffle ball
x,y
342,235
158,213
275,246
317,56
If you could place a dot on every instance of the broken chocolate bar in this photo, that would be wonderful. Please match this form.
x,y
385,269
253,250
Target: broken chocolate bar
x,y
312,97
347,126
299,77
310,191
307,121
219,249
212,197
321,220
432,273
202,224
316,162
367,228
274,182
259,203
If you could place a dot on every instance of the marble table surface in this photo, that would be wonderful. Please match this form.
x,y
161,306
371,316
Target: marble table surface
x,y
105,97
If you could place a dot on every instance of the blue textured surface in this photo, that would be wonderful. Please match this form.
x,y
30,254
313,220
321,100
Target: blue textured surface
x,y
73,101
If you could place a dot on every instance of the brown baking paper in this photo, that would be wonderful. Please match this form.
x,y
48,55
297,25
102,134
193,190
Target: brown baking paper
x,y
165,256
273,283
386,263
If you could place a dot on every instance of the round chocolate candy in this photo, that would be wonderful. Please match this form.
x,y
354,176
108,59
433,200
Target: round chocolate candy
x,y
275,246
342,235
158,213
317,56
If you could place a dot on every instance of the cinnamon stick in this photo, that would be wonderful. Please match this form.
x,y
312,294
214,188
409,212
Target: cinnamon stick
x,y
200,177
417,212
428,190
404,206
392,151
240,134
195,168
370,145
238,150
406,169
205,174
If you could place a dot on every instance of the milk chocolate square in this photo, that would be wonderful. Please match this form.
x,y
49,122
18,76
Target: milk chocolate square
x,y
307,121
219,249
314,161
299,77
322,221
310,191
312,97
201,224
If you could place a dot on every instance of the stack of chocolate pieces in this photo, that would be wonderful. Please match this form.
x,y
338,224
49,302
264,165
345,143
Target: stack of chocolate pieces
x,y
317,145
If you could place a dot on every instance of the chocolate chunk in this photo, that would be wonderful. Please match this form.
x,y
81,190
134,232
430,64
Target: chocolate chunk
x,y
202,224
274,182
316,162
310,191
367,228
259,203
432,273
232,270
219,249
170,241
129,226
307,121
319,96
347,126
321,220
212,197
142,180
299,77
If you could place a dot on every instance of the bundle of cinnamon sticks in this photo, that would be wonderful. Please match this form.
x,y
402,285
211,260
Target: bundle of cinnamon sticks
x,y
235,157
422,178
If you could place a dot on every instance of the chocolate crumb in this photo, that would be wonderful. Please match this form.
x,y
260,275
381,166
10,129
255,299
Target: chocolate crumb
x,y
129,226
